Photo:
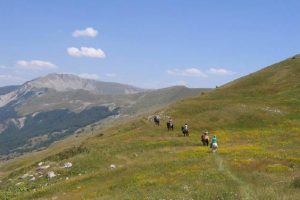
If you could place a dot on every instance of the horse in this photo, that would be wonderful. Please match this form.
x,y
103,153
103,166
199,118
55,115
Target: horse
x,y
156,120
214,147
185,131
170,126
205,139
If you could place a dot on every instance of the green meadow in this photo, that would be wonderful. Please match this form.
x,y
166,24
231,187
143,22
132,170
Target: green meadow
x,y
256,119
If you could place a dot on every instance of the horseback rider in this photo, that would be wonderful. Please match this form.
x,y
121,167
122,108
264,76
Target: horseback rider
x,y
156,119
185,130
170,124
214,144
186,127
170,121
205,138
214,139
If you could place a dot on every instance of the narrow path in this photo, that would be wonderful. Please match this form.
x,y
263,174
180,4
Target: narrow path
x,y
246,192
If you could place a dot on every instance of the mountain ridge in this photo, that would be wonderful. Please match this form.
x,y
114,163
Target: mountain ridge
x,y
48,97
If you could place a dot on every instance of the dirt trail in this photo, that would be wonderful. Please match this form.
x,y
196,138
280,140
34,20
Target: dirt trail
x,y
246,192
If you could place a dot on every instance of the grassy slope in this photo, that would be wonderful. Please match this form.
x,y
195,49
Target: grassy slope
x,y
255,118
163,97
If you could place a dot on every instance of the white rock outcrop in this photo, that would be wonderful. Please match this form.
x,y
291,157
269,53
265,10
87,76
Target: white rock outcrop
x,y
112,166
68,165
51,174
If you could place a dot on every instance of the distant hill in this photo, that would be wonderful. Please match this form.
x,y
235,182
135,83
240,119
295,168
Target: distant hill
x,y
7,89
67,82
49,108
256,119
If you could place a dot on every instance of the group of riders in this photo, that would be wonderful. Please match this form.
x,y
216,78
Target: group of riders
x,y
185,131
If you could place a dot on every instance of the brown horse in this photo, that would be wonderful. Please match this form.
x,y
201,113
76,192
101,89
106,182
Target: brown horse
x,y
205,139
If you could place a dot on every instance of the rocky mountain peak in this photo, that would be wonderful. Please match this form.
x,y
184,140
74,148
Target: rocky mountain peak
x,y
63,82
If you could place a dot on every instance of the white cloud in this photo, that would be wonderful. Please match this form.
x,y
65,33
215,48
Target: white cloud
x,y
110,75
187,72
219,71
89,76
88,32
35,65
86,52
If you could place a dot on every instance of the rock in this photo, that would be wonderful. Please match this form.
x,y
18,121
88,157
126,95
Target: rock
x,y
44,167
51,174
32,179
68,165
24,176
112,166
40,164
20,183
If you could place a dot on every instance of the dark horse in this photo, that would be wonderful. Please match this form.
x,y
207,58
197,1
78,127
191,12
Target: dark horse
x,y
156,120
170,126
185,132
205,139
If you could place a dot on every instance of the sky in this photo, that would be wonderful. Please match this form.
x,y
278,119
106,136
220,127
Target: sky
x,y
149,44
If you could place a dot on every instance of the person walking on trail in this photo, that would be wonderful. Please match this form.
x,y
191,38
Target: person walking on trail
x,y
214,144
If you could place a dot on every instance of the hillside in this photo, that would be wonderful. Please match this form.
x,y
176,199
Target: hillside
x,y
256,119
7,89
50,108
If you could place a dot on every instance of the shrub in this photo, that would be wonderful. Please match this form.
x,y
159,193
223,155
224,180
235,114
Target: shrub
x,y
296,183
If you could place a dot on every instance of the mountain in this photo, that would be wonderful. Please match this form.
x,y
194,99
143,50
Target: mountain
x,y
64,83
7,89
67,82
256,119
50,108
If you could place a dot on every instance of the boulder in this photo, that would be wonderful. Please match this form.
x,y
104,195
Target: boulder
x,y
68,165
112,166
51,174
24,176
44,167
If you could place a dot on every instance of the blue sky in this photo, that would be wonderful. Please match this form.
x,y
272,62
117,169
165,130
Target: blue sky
x,y
149,44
